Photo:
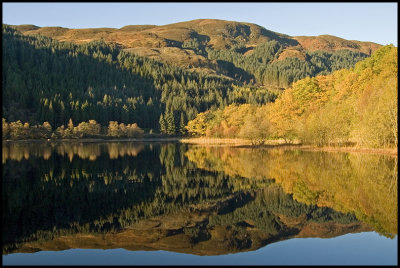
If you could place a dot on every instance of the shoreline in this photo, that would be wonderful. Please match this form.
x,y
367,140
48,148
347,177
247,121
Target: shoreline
x,y
242,143
385,151
230,142
88,140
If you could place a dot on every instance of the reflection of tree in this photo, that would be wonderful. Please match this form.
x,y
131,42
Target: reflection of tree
x,y
46,198
18,151
363,184
43,199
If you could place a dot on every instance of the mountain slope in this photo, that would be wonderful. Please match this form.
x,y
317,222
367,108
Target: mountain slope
x,y
217,34
101,75
46,80
191,45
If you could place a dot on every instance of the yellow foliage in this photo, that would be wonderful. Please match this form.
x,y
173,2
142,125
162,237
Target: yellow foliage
x,y
198,125
348,106
357,105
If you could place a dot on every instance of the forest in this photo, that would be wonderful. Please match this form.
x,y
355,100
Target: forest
x,y
263,66
49,81
349,106
52,87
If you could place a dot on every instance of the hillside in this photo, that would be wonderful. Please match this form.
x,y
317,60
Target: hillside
x,y
49,81
196,45
349,106
332,43
216,34
102,76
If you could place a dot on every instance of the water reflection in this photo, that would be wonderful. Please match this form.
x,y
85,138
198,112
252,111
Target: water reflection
x,y
363,184
175,197
23,150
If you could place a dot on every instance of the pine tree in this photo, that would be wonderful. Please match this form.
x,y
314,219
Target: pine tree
x,y
182,129
163,128
170,123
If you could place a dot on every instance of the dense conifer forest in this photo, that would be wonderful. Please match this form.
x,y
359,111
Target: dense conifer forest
x,y
49,81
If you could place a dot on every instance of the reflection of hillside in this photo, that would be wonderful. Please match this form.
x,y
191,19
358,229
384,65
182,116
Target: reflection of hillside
x,y
155,200
363,184
43,199
219,227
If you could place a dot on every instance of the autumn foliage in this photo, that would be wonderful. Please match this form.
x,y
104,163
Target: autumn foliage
x,y
355,106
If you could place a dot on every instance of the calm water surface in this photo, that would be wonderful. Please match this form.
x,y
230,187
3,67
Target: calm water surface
x,y
168,203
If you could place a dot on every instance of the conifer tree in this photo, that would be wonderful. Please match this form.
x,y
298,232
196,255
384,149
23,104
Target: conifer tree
x,y
182,128
170,123
163,128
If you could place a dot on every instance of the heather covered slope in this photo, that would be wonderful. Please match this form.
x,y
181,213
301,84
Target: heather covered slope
x,y
217,34
230,48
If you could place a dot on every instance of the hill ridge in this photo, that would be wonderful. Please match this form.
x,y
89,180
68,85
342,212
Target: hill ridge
x,y
196,24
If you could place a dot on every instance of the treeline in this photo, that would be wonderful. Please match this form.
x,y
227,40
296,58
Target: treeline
x,y
91,129
348,106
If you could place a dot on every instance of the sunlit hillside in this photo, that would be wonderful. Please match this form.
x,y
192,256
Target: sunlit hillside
x,y
355,106
190,44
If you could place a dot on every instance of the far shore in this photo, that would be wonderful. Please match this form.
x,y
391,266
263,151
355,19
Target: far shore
x,y
144,139
229,142
243,143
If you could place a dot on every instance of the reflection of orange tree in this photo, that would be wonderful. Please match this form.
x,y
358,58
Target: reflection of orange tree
x,y
238,161
363,184
116,150
19,151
